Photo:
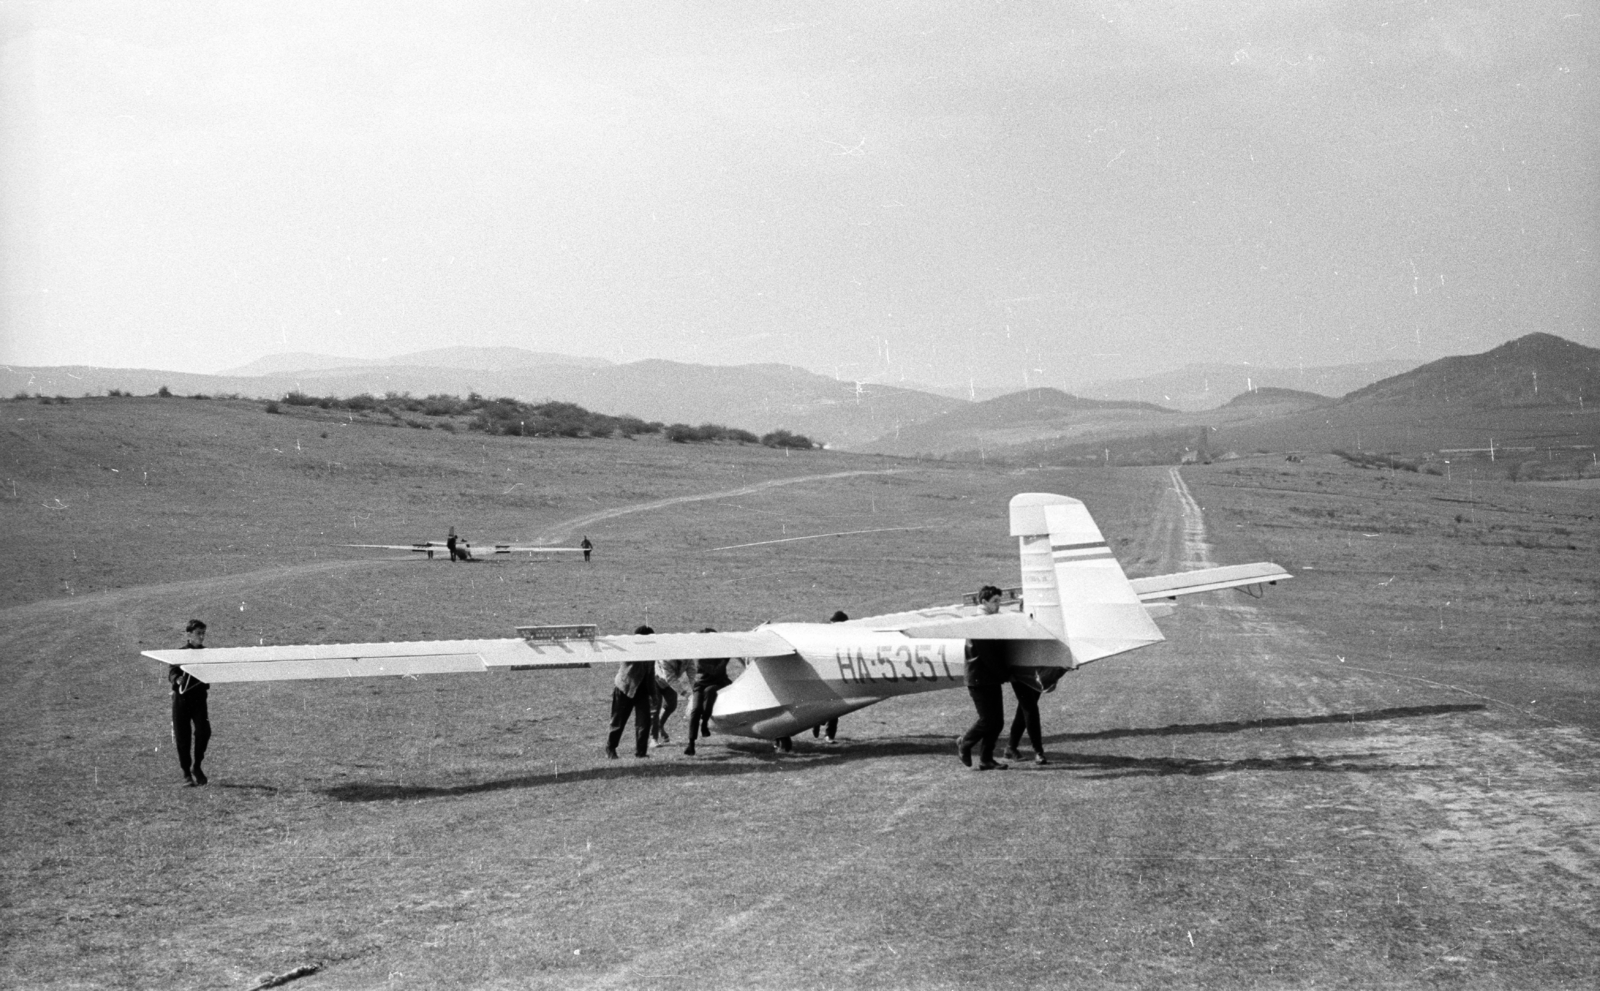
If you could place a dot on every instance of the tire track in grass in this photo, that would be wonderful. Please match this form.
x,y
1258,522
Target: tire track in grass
x,y
567,528
52,609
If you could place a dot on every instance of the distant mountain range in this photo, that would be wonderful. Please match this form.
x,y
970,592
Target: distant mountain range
x,y
308,365
1451,407
1207,386
1446,403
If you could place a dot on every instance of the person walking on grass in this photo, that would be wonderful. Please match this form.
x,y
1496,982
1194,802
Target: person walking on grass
x,y
710,677
670,676
1028,685
986,676
631,693
832,726
191,722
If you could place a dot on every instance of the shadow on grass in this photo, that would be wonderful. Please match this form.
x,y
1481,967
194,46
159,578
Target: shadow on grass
x,y
751,757
745,757
1274,722
1118,766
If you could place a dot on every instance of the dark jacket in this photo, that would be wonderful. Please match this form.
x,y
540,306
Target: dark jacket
x,y
711,672
183,682
986,663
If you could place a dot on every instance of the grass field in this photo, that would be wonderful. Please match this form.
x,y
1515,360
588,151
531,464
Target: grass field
x,y
1323,788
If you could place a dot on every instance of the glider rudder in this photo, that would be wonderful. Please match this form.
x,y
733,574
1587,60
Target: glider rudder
x,y
1071,582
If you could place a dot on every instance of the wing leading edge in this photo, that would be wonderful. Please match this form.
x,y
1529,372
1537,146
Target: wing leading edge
x,y
219,665
1207,580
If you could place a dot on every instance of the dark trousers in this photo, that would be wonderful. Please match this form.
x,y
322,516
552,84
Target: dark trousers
x,y
983,735
832,728
638,706
705,699
664,706
191,724
1027,717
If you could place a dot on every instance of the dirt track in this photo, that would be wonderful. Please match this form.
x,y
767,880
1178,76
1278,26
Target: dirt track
x,y
1490,814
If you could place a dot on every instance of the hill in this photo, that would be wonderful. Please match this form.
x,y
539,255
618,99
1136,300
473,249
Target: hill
x,y
305,364
1535,370
1271,397
1485,407
759,398
1018,420
1203,386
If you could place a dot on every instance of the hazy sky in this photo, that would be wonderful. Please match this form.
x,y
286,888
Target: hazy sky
x,y
1003,192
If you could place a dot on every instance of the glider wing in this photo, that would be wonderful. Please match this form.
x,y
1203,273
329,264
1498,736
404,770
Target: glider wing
x,y
1207,580
216,665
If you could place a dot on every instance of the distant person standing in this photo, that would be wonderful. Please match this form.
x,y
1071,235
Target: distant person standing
x,y
839,616
710,677
191,722
986,677
587,548
631,693
450,544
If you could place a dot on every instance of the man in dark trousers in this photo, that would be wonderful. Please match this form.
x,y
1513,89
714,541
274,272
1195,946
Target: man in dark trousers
x,y
710,677
587,548
191,723
1028,684
839,616
987,674
631,692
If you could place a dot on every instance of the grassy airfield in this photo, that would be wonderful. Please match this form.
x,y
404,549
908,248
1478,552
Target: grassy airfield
x,y
1382,775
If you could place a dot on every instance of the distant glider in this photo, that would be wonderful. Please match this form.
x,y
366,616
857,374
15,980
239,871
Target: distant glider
x,y
1074,605
463,549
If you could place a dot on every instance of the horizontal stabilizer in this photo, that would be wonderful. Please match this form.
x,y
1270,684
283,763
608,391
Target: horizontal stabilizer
x,y
375,660
1207,580
998,626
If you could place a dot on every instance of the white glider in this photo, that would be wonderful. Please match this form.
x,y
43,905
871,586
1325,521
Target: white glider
x,y
1074,605
430,547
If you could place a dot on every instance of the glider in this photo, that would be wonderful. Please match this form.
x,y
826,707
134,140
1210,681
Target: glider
x,y
428,547
1074,606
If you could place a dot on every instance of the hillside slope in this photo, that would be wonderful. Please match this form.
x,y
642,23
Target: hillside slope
x,y
754,397
1020,419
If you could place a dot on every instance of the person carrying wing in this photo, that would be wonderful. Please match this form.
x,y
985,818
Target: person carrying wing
x,y
631,692
710,677
191,721
987,675
670,675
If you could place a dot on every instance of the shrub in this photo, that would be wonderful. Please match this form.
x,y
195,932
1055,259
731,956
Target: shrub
x,y
783,438
272,407
164,392
117,392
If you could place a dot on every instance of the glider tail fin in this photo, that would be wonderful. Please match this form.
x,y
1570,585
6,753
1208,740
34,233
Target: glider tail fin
x,y
1071,583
